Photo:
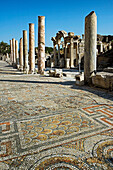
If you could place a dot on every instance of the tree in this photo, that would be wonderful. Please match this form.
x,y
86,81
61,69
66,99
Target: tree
x,y
48,50
4,48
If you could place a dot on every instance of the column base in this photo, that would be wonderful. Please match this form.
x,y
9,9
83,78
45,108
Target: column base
x,y
31,71
26,70
21,68
18,67
67,63
41,72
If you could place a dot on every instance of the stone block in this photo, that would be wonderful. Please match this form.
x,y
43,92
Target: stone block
x,y
71,34
79,79
103,80
51,73
109,69
58,73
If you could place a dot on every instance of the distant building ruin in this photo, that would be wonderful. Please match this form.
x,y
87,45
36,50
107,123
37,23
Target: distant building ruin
x,y
73,49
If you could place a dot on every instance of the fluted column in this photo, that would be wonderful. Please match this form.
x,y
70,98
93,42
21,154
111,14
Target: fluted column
x,y
41,44
16,54
90,47
31,48
25,51
13,45
21,54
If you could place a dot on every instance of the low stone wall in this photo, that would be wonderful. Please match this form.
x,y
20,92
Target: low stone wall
x,y
103,80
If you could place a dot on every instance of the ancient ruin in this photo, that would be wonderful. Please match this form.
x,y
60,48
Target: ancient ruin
x,y
41,44
90,47
25,52
31,49
16,54
21,54
13,50
55,117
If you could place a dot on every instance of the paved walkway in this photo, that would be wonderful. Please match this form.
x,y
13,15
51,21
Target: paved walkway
x,y
49,123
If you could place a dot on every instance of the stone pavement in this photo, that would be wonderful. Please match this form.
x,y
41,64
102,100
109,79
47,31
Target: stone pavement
x,y
50,123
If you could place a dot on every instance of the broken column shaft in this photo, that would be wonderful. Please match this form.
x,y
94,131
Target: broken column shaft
x,y
25,51
90,47
31,48
41,44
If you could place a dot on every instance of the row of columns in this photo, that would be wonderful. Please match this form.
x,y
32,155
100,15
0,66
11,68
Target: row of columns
x,y
23,61
65,53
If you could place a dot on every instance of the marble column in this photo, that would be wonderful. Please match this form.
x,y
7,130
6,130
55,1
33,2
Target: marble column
x,y
101,47
110,45
58,52
16,54
41,44
11,53
25,52
13,45
65,55
77,54
55,59
21,54
7,57
31,49
71,53
90,47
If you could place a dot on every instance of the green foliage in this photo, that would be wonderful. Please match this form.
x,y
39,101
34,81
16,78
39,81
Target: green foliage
x,y
4,48
48,49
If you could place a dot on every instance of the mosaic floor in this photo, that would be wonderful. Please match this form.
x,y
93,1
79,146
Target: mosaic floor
x,y
49,123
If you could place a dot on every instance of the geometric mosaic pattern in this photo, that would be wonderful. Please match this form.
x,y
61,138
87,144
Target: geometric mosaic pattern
x,y
49,123
103,113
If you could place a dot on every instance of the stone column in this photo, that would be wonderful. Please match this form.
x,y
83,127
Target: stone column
x,y
41,44
65,55
16,54
110,46
79,62
90,47
71,53
7,57
55,59
13,45
21,54
101,47
25,52
58,52
11,53
31,49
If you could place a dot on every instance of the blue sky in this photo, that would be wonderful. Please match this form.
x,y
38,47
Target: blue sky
x,y
15,16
